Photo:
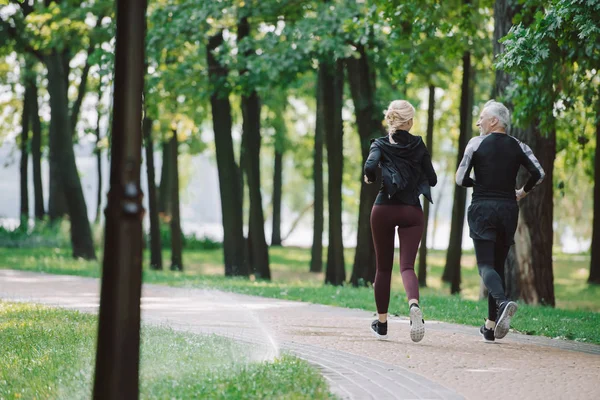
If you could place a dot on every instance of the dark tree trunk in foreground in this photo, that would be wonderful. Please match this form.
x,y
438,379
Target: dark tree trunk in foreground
x,y
176,235
316,254
453,256
229,172
118,350
429,142
333,91
155,240
361,77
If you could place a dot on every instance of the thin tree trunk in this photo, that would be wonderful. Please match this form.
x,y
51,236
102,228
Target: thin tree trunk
x,y
98,152
333,91
155,240
453,256
316,254
62,146
23,167
429,142
259,252
164,193
36,153
229,172
277,185
118,349
361,77
176,235
595,246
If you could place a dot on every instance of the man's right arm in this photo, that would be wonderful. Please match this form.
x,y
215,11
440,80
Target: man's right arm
x,y
533,166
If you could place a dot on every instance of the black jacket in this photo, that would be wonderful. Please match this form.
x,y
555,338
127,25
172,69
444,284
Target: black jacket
x,y
406,167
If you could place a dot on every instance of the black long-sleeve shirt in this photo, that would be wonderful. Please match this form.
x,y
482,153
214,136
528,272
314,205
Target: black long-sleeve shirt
x,y
496,159
409,154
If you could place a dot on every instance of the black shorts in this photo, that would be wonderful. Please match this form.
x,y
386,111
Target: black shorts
x,y
490,218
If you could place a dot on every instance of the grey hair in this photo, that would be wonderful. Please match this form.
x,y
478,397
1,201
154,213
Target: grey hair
x,y
498,110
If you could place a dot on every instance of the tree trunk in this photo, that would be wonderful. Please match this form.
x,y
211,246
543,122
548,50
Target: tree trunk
x,y
164,193
333,91
595,246
504,12
61,143
36,153
118,349
23,167
453,256
534,230
277,185
98,152
361,77
528,273
229,172
259,251
429,143
155,240
316,253
176,235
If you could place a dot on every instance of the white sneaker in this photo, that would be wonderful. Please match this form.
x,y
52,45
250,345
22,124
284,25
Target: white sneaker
x,y
417,324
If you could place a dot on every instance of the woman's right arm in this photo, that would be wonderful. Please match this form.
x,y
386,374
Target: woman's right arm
x,y
428,169
372,163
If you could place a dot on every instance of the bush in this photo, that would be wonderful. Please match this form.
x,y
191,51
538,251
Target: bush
x,y
42,234
190,242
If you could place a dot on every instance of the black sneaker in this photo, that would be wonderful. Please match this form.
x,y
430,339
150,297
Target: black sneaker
x,y
417,324
379,329
488,334
506,311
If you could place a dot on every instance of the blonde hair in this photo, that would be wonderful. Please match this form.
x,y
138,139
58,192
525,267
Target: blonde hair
x,y
399,112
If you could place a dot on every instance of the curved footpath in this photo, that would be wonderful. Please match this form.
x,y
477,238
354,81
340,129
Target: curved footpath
x,y
450,363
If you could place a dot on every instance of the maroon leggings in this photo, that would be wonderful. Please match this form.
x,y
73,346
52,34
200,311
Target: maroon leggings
x,y
409,221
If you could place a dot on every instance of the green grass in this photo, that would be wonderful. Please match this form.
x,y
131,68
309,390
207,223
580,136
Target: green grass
x,y
49,354
576,316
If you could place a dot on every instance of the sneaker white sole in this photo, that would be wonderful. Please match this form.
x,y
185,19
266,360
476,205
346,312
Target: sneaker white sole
x,y
378,336
503,323
417,327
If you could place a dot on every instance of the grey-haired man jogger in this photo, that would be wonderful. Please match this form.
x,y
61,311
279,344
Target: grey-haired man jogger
x,y
495,157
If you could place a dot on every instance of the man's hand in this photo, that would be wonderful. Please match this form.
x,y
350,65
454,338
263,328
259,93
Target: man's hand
x,y
367,181
520,194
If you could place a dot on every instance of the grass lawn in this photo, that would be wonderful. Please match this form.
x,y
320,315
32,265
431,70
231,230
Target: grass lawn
x,y
48,353
576,317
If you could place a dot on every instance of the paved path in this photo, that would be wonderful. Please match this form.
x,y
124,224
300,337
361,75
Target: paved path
x,y
450,363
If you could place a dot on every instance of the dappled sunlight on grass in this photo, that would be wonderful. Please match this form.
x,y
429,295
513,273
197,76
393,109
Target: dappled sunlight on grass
x,y
49,353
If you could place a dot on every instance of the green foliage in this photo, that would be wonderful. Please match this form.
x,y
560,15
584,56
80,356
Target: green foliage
x,y
43,234
190,242
554,58
49,353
